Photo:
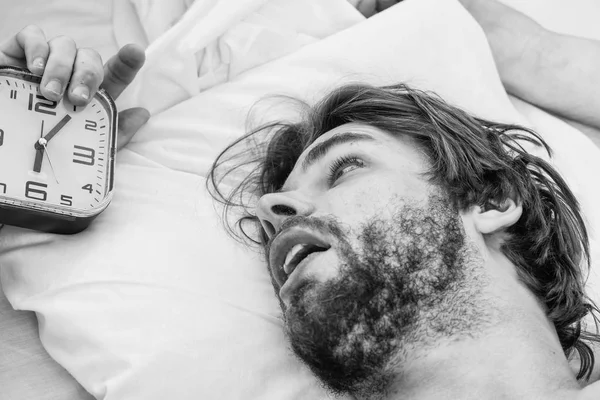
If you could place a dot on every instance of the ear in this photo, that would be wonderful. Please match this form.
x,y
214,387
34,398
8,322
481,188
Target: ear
x,y
494,216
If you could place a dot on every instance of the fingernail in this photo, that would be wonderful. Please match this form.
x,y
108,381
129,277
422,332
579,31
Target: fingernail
x,y
82,91
54,87
39,63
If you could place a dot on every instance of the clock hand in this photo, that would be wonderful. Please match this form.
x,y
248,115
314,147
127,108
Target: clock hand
x,y
44,143
39,155
57,127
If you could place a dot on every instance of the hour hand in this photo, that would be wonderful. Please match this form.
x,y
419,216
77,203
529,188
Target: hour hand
x,y
39,153
39,157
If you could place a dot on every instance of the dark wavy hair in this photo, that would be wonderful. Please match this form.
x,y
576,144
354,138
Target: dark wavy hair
x,y
477,162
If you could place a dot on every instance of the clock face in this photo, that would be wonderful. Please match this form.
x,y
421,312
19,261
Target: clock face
x,y
54,155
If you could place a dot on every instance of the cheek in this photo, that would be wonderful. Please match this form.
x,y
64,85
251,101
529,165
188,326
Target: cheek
x,y
353,205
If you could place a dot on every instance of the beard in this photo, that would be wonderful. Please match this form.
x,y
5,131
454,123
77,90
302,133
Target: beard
x,y
408,284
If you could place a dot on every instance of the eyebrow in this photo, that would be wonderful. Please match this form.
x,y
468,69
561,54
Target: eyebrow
x,y
320,150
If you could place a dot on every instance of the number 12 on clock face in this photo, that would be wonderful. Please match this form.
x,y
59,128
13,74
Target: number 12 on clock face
x,y
56,159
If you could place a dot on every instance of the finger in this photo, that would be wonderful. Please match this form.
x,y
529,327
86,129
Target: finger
x,y
122,68
58,67
367,7
88,73
130,121
28,48
385,4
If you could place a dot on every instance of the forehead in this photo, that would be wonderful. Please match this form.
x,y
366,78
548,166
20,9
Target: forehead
x,y
379,135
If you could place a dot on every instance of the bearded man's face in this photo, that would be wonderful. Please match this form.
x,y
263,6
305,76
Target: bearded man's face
x,y
371,262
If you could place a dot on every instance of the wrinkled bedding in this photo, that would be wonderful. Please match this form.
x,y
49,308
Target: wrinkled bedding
x,y
154,301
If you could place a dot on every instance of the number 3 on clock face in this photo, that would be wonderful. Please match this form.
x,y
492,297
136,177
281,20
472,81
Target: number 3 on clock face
x,y
56,159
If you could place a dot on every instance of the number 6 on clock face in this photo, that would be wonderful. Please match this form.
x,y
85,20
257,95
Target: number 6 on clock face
x,y
56,159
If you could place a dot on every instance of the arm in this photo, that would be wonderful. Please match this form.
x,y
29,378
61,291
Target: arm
x,y
559,73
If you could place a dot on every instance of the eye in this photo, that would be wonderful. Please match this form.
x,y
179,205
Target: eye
x,y
342,166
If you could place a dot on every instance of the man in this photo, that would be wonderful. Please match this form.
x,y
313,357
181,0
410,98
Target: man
x,y
421,253
411,262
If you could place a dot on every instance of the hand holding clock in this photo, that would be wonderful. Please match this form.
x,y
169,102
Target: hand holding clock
x,y
77,72
80,131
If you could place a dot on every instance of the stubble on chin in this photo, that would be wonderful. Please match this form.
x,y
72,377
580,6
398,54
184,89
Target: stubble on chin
x,y
407,286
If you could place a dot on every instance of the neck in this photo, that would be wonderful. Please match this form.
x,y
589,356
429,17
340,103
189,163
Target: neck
x,y
498,366
517,357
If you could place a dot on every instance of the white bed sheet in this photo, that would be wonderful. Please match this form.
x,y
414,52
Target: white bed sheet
x,y
154,301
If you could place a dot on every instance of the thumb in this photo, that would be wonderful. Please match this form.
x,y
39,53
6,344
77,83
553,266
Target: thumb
x,y
385,4
130,121
368,8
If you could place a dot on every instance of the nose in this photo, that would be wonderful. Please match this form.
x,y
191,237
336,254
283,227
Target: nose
x,y
275,208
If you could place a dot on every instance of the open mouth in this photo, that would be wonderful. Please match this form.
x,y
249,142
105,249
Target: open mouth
x,y
290,248
297,254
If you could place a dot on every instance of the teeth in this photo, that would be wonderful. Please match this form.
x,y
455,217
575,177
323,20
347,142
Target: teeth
x,y
290,256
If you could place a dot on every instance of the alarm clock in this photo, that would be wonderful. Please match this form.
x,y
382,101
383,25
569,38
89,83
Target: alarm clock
x,y
57,160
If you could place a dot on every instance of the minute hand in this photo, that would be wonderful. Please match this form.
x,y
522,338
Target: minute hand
x,y
57,127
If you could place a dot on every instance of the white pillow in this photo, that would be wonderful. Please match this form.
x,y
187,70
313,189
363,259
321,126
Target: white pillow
x,y
154,301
